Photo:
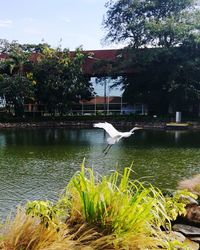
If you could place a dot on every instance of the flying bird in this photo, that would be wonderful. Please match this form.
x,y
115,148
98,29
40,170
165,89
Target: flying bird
x,y
114,134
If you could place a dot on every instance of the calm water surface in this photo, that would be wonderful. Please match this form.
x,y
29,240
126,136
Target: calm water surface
x,y
37,163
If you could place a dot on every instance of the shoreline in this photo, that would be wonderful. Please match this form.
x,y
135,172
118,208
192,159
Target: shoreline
x,y
89,124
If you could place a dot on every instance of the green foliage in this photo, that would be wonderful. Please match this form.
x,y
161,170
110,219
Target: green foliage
x,y
16,89
131,212
52,77
158,23
45,210
100,200
122,207
59,79
163,77
167,75
50,213
15,86
175,205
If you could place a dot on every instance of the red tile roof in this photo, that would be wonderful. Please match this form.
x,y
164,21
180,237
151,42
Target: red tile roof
x,y
101,100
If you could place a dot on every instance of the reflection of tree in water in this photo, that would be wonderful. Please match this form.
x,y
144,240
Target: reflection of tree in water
x,y
34,136
2,141
49,136
90,137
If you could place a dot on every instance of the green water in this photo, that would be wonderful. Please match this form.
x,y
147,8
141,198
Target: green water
x,y
37,163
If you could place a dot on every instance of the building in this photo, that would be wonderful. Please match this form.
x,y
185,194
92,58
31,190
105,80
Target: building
x,y
109,105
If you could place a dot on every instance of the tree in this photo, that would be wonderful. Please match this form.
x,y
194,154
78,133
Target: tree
x,y
141,23
164,77
15,85
16,89
163,51
41,74
60,81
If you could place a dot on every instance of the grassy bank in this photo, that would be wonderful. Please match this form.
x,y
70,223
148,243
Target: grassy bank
x,y
95,212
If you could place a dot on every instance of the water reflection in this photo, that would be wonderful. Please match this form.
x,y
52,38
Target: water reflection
x,y
37,163
2,141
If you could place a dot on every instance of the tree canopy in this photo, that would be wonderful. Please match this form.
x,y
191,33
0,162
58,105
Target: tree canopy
x,y
162,39
15,86
141,23
60,81
42,75
164,77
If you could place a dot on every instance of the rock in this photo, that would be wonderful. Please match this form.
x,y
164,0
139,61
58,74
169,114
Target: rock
x,y
196,239
188,199
188,231
191,244
174,235
193,214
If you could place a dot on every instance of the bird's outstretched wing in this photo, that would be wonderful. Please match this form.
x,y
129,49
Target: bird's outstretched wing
x,y
108,128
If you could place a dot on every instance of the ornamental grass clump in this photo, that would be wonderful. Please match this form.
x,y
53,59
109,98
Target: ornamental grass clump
x,y
26,232
135,213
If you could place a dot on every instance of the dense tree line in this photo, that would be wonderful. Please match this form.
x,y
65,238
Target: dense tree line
x,y
43,75
165,79
162,50
162,43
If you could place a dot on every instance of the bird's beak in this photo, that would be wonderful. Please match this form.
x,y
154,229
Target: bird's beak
x,y
136,128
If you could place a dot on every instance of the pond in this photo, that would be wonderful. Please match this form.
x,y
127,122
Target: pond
x,y
37,163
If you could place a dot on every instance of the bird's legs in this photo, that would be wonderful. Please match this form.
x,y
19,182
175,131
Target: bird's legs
x,y
107,148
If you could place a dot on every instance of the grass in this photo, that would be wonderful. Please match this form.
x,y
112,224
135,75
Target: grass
x,y
26,232
109,212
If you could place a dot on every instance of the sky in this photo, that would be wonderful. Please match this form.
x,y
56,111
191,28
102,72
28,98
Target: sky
x,y
73,22
69,23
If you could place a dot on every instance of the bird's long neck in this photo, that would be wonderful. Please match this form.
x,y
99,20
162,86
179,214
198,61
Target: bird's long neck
x,y
133,129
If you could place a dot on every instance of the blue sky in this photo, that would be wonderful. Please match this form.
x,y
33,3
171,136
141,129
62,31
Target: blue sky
x,y
71,23
76,22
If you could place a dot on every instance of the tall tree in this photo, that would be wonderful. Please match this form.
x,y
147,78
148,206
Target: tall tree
x,y
141,23
164,77
162,39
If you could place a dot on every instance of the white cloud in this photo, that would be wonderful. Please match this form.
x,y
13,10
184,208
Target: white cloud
x,y
5,23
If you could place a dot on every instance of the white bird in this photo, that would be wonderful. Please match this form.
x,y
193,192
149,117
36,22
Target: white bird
x,y
114,134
